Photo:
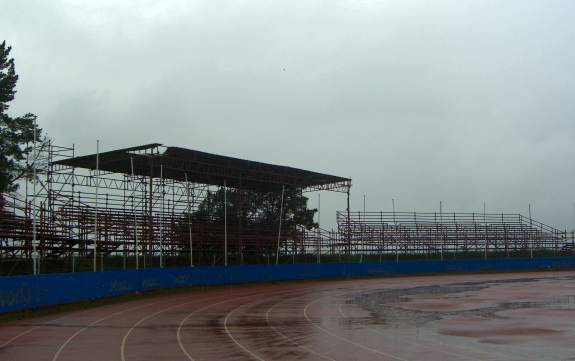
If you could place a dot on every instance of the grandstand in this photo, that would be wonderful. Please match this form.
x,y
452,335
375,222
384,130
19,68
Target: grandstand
x,y
138,207
439,233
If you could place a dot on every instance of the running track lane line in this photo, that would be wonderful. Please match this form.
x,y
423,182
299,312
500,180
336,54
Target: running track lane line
x,y
143,319
24,333
57,354
47,323
305,313
430,345
14,338
276,330
182,323
424,345
229,333
291,339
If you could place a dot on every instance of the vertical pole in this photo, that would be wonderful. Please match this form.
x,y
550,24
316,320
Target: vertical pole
x,y
125,206
441,223
393,209
162,216
136,246
573,236
26,180
318,228
395,230
417,244
280,226
189,221
382,236
530,228
239,234
173,217
225,225
360,242
565,239
34,208
363,228
150,248
348,237
486,238
505,236
26,198
70,235
97,173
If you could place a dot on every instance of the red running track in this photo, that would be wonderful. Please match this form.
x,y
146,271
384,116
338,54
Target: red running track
x,y
514,316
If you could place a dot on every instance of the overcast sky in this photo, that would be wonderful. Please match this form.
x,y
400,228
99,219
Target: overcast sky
x,y
421,101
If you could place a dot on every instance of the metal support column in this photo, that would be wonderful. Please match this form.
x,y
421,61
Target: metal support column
x,y
280,226
225,225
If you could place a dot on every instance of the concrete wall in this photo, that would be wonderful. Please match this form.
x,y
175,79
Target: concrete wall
x,y
25,292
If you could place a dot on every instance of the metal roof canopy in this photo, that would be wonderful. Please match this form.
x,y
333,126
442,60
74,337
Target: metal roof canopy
x,y
206,168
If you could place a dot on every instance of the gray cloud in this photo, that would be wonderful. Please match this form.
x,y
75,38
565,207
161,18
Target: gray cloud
x,y
459,101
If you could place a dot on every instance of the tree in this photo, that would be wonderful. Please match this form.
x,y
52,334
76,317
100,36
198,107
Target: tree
x,y
258,208
16,134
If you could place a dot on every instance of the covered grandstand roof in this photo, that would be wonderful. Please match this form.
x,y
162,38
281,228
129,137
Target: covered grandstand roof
x,y
206,168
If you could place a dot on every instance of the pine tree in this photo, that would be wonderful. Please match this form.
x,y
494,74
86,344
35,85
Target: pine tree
x,y
16,134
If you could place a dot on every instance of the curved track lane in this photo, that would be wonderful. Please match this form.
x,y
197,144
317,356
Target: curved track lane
x,y
506,317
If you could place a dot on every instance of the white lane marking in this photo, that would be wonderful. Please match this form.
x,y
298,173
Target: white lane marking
x,y
305,313
143,319
427,344
57,354
276,330
229,333
45,324
18,336
385,335
185,319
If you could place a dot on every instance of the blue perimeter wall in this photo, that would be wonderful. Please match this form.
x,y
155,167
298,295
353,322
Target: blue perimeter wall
x,y
26,292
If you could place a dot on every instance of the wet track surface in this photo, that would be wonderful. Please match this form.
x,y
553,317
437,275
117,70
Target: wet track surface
x,y
521,316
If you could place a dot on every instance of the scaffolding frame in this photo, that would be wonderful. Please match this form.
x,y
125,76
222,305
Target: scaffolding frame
x,y
138,208
144,217
421,233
